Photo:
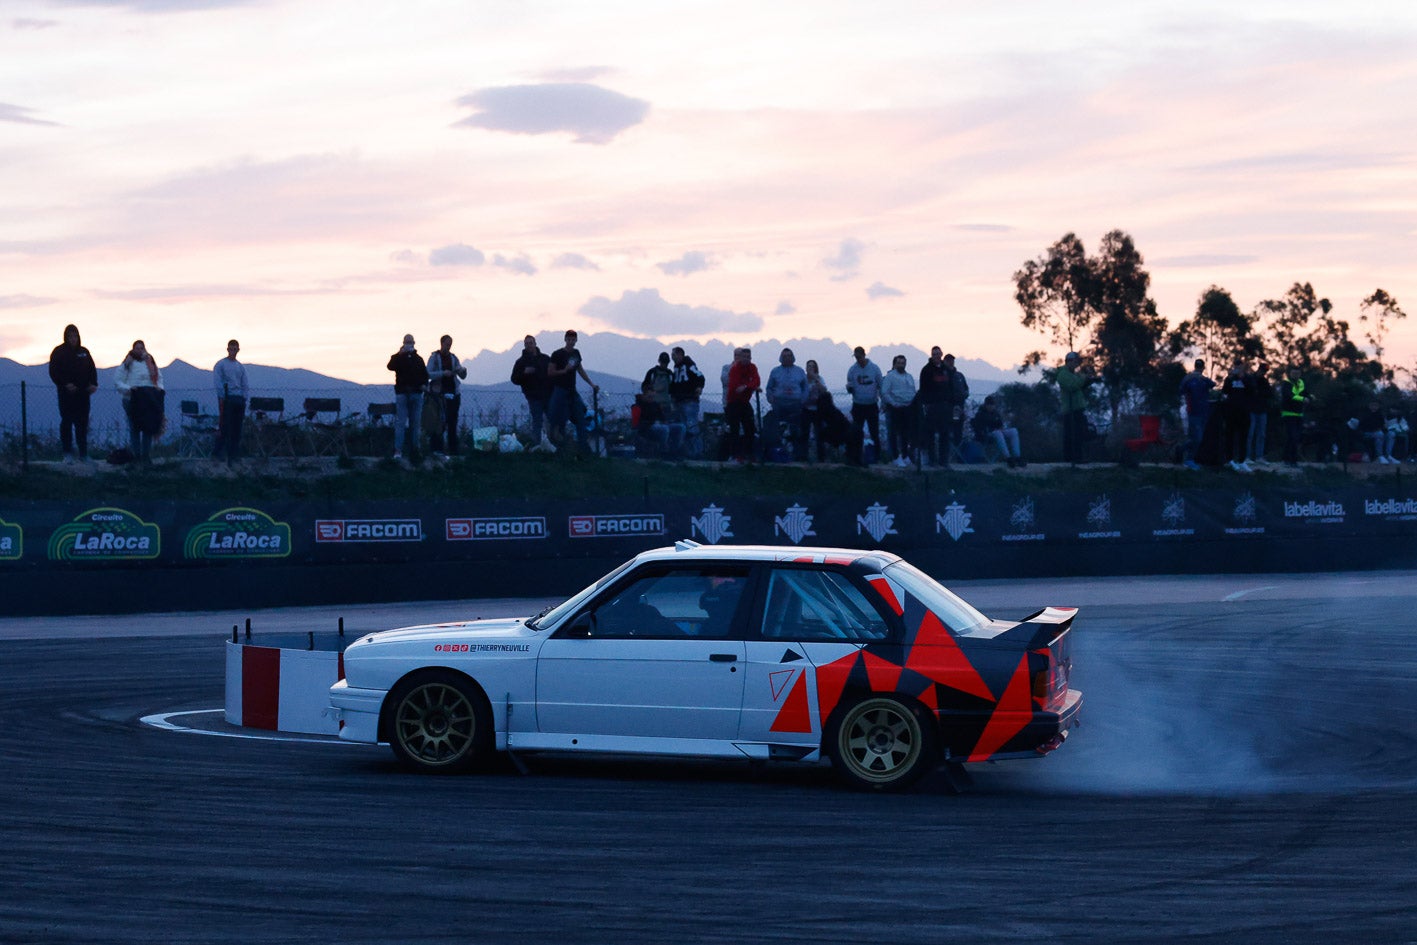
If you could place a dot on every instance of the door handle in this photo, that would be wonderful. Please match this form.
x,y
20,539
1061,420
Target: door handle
x,y
724,657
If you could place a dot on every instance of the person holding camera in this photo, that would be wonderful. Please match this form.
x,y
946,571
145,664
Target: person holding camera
x,y
1073,380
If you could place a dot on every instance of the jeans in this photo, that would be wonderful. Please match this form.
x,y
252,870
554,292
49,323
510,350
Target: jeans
x,y
687,413
74,421
899,429
537,406
1074,427
448,423
869,416
1195,431
1006,440
1254,449
567,405
233,412
741,429
407,414
934,439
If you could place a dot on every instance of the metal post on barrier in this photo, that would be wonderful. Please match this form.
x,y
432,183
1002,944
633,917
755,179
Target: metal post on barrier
x,y
24,428
341,628
248,629
310,640
234,637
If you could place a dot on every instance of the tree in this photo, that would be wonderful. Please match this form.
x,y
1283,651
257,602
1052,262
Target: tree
x,y
1055,292
1219,332
1129,331
1381,308
1286,323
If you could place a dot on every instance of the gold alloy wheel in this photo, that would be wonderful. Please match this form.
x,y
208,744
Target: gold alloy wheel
x,y
436,724
879,743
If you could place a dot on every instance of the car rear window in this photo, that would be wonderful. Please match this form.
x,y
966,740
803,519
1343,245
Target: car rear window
x,y
952,610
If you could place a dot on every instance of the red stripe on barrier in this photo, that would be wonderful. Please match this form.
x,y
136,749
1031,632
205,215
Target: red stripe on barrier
x,y
260,687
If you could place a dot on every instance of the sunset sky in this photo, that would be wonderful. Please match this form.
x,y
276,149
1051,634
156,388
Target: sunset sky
x,y
318,177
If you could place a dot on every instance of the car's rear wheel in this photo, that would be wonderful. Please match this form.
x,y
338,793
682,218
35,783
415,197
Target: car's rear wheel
x,y
439,723
879,743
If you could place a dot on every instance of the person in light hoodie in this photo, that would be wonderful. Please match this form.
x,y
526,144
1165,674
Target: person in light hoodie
x,y
140,382
898,394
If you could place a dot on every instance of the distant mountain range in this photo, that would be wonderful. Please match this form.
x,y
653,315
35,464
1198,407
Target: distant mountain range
x,y
615,362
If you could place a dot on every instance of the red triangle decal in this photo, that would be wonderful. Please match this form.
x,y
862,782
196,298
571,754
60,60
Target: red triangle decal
x,y
1014,711
794,716
779,681
883,587
831,680
937,656
884,676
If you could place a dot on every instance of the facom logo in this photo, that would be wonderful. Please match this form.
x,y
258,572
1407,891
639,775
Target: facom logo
x,y
614,526
105,534
238,533
368,530
489,529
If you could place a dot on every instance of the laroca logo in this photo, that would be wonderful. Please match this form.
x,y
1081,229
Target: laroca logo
x,y
105,535
238,533
12,541
490,529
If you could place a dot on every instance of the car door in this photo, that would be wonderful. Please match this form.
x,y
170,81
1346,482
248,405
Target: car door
x,y
660,654
811,624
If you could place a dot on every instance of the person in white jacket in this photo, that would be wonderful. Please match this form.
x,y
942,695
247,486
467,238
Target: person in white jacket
x,y
140,382
898,395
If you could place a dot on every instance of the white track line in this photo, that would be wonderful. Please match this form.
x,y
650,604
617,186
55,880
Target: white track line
x,y
1251,590
162,720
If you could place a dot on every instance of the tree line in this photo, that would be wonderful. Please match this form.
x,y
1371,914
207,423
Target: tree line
x,y
1099,305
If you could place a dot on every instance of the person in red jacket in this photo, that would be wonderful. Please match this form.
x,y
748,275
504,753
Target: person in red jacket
x,y
743,383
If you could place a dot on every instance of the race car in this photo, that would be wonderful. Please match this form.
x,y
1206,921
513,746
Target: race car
x,y
763,653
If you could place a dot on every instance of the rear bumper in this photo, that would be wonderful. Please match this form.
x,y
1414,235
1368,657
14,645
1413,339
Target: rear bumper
x,y
1037,733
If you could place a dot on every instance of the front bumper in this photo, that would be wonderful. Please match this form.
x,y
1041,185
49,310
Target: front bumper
x,y
357,711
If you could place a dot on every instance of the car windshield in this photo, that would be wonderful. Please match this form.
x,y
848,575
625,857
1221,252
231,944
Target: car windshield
x,y
550,617
953,611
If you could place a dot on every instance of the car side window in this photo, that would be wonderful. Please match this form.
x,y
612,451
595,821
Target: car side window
x,y
681,603
819,605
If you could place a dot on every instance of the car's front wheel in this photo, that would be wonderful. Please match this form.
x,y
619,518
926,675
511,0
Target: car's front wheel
x,y
880,744
439,723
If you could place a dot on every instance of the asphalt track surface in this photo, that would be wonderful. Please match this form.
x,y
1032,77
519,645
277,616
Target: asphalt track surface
x,y
1246,772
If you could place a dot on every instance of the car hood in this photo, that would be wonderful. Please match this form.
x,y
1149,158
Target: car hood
x,y
505,628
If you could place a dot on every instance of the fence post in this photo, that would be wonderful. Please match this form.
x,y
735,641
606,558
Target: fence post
x,y
24,428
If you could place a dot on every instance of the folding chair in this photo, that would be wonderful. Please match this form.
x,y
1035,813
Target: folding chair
x,y
266,418
379,414
1151,436
198,434
326,436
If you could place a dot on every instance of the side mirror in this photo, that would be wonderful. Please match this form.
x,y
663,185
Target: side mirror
x,y
582,628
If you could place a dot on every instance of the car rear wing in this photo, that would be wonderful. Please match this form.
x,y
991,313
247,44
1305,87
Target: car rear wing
x,y
1041,628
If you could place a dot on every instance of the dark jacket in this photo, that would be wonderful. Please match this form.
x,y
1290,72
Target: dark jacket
x,y
1235,394
72,366
688,381
1261,392
410,373
536,385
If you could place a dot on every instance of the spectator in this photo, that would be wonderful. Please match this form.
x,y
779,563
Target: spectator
x,y
1073,380
229,378
1293,396
1397,431
140,383
566,403
898,394
743,383
1235,416
530,374
787,396
445,377
685,388
655,433
75,378
863,383
1261,396
936,407
660,377
816,409
959,396
1373,427
1195,394
410,380
990,426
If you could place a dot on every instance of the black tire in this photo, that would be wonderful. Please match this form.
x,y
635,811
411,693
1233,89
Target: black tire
x,y
882,744
439,722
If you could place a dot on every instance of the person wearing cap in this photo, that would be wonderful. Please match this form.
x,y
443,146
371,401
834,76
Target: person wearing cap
x,y
1072,388
933,439
1195,393
410,381
863,383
